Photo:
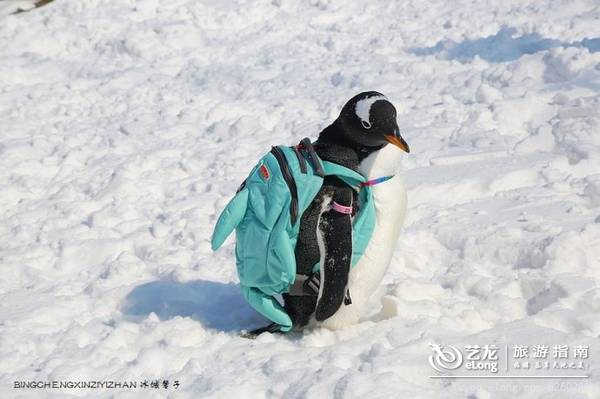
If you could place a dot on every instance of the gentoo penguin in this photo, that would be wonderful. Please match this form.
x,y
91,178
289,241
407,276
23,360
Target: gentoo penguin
x,y
366,124
390,208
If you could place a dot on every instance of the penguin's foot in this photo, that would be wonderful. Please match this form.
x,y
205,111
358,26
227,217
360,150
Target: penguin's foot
x,y
271,328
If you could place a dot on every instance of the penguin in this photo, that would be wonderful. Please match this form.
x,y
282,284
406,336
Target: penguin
x,y
365,126
390,209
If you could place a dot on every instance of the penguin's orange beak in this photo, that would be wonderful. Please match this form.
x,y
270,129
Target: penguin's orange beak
x,y
398,141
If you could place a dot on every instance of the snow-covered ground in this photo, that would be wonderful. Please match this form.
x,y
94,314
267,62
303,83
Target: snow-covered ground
x,y
126,126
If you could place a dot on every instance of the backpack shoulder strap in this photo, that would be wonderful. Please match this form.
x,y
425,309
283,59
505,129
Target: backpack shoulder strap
x,y
325,168
349,176
306,145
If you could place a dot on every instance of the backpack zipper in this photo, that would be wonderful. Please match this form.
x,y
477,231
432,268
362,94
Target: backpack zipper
x,y
289,180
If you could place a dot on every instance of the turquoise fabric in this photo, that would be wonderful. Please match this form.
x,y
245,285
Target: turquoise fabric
x,y
265,235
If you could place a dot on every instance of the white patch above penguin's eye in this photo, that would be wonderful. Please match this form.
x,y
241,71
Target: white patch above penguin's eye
x,y
363,109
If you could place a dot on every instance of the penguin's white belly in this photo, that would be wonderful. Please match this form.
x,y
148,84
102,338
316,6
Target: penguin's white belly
x,y
390,207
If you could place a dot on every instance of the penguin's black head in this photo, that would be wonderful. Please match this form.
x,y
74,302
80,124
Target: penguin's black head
x,y
369,120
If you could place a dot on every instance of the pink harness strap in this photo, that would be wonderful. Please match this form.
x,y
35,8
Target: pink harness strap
x,y
346,210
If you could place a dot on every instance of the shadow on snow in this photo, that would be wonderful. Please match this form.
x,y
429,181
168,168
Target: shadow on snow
x,y
215,305
501,47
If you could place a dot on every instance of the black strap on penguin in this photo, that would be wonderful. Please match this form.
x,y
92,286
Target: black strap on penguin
x,y
301,160
306,145
309,286
289,180
306,285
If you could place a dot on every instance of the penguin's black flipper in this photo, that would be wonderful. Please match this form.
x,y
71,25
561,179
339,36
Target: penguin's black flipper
x,y
271,328
336,231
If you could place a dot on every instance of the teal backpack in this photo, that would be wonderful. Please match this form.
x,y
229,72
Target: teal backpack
x,y
265,213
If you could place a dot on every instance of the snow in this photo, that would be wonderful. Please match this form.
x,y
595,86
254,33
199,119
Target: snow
x,y
125,128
